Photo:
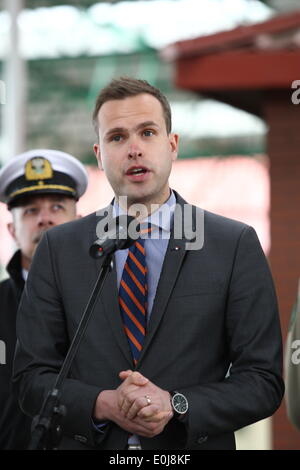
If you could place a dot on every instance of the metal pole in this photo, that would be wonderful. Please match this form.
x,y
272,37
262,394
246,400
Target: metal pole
x,y
13,111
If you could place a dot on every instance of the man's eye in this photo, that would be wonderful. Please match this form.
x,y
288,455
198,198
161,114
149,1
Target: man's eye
x,y
148,133
30,211
57,207
116,138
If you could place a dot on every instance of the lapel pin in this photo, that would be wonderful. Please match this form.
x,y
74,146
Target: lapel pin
x,y
176,248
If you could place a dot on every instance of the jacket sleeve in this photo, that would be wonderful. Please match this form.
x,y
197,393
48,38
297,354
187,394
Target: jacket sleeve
x,y
42,346
253,388
292,367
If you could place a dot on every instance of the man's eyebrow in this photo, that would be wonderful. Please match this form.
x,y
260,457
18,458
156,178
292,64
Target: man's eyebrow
x,y
120,130
142,125
115,130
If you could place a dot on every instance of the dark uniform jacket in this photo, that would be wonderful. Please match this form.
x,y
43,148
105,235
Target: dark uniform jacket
x,y
14,425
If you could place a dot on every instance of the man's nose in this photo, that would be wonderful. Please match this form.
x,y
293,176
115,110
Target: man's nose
x,y
134,151
45,218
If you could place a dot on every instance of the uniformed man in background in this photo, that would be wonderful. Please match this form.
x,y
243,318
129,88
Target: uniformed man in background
x,y
40,188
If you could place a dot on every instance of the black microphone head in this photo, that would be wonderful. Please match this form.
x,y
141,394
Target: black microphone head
x,y
96,250
120,233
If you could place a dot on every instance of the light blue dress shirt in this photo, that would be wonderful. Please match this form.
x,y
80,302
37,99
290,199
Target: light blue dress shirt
x,y
155,248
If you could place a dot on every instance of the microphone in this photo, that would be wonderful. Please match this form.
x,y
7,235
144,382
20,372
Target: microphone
x,y
120,233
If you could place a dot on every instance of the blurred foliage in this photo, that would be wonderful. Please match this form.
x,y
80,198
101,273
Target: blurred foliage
x,y
62,92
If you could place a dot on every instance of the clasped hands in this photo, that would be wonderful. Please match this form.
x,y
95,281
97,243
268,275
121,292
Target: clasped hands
x,y
137,405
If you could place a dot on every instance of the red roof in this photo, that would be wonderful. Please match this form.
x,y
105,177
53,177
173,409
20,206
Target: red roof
x,y
243,36
239,65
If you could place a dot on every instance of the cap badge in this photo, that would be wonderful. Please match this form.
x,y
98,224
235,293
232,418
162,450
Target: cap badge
x,y
38,168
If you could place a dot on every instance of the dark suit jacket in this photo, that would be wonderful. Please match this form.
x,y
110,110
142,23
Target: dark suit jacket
x,y
214,307
14,425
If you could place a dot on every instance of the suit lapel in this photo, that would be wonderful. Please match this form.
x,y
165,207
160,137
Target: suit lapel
x,y
174,258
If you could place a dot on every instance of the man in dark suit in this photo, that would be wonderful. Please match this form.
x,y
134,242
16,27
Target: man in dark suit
x,y
184,346
40,188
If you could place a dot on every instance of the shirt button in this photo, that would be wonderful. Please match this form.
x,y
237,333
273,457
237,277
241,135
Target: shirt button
x,y
80,438
202,439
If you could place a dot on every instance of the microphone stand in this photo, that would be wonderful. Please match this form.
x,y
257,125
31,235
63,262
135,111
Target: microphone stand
x,y
47,426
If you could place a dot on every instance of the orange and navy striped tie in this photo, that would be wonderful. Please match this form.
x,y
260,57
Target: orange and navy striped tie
x,y
133,297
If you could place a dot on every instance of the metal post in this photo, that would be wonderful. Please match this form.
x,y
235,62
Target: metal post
x,y
13,111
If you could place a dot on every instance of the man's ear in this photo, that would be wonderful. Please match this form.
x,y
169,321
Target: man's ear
x,y
174,138
98,155
12,230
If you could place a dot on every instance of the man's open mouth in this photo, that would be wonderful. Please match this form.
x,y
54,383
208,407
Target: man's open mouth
x,y
137,170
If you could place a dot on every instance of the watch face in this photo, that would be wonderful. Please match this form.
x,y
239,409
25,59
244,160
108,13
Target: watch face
x,y
180,403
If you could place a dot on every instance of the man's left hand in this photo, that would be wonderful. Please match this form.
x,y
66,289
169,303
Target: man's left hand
x,y
148,401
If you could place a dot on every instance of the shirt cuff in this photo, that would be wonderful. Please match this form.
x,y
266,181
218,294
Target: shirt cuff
x,y
99,426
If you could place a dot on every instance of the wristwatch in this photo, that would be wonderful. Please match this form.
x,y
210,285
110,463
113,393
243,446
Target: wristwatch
x,y
179,404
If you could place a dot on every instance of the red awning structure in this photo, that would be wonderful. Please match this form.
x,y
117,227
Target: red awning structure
x,y
225,65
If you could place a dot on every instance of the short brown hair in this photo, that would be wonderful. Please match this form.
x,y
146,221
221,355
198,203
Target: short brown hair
x,y
125,87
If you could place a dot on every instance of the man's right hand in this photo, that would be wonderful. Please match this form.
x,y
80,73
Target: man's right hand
x,y
107,409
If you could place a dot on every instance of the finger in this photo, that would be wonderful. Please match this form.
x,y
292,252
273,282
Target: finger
x,y
148,412
140,430
133,403
132,398
153,415
148,429
124,374
127,392
131,384
125,407
139,404
137,379
160,417
125,404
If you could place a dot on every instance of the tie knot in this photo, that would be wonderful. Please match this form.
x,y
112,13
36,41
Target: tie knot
x,y
146,229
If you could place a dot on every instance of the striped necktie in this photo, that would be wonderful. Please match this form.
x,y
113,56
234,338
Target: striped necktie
x,y
133,297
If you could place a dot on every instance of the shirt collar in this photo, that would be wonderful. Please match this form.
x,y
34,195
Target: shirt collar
x,y
161,218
